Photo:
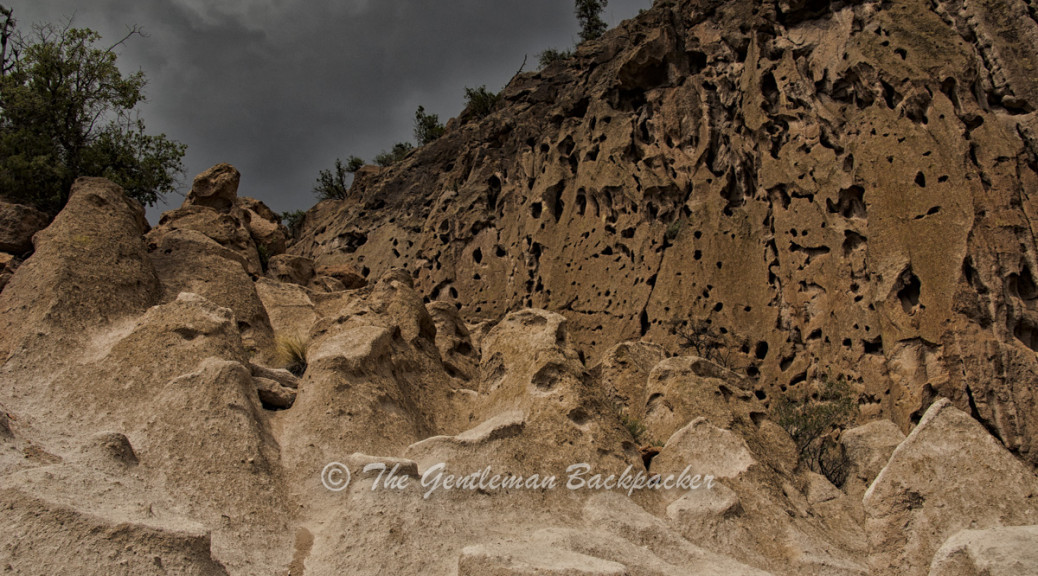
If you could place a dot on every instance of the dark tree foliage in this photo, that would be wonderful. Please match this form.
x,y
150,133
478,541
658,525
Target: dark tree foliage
x,y
67,111
551,56
335,184
427,127
480,101
589,14
399,152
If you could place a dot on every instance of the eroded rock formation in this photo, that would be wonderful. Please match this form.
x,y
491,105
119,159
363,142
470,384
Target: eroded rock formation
x,y
840,188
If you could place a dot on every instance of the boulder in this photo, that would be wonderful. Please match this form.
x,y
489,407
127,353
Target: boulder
x,y
341,271
188,261
684,388
949,475
264,225
624,371
460,357
216,188
868,449
1009,551
291,268
8,264
90,269
18,224
225,228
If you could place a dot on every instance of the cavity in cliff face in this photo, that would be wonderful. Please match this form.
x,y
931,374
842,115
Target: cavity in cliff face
x,y
842,188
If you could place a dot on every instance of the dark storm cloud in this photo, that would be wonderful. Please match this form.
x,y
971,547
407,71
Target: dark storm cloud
x,y
282,88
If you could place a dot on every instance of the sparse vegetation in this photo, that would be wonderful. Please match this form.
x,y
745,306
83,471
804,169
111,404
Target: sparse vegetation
x,y
480,101
705,340
66,111
811,419
427,127
293,221
551,56
633,425
399,152
589,14
335,184
674,229
291,353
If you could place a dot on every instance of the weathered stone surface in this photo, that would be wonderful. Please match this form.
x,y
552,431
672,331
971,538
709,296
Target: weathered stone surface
x,y
188,261
216,188
90,269
225,228
8,264
948,475
868,449
291,269
264,226
994,552
840,185
18,224
624,371
343,272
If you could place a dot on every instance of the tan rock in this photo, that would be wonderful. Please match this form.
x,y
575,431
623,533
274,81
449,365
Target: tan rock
x,y
18,224
684,388
225,228
291,269
8,264
216,188
188,261
994,552
264,226
868,449
90,269
624,370
948,475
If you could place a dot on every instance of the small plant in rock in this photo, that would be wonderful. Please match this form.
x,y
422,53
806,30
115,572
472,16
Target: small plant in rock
x,y
427,127
811,421
399,152
551,56
291,353
705,340
480,101
635,426
674,229
293,221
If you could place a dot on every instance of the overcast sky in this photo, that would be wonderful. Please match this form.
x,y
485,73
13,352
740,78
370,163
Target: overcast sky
x,y
280,88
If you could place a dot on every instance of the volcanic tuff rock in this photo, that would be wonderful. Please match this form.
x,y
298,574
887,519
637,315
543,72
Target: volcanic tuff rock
x,y
799,192
822,187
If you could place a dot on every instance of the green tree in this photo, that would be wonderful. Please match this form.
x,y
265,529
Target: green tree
x,y
480,101
589,14
67,111
335,184
399,152
427,127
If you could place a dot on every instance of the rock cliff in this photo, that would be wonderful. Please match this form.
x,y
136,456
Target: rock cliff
x,y
841,188
560,339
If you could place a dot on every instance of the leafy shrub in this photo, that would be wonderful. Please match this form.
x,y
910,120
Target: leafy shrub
x,y
335,184
427,127
551,56
399,152
810,421
293,221
480,101
67,111
635,426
